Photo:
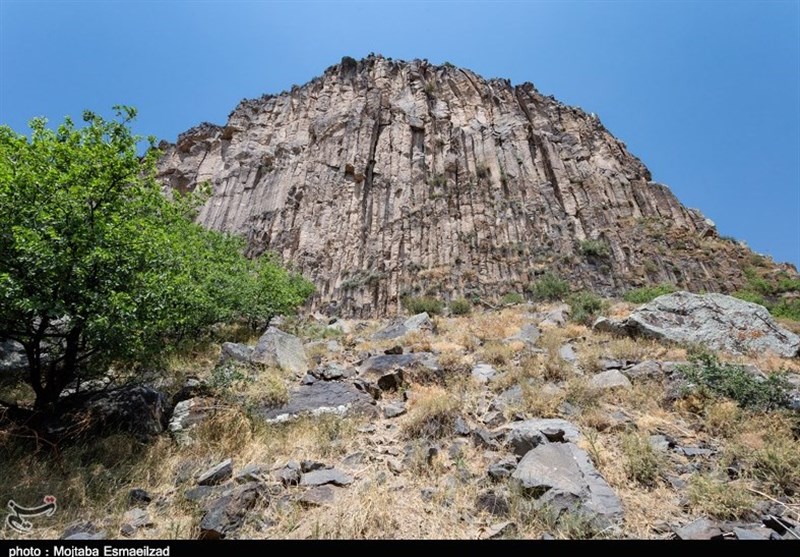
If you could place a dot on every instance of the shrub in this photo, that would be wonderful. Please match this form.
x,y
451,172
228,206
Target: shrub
x,y
512,298
723,500
549,287
420,304
709,376
647,293
642,463
585,306
788,309
594,248
432,415
460,306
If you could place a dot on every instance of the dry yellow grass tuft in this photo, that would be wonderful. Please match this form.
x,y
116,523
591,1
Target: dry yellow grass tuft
x,y
432,414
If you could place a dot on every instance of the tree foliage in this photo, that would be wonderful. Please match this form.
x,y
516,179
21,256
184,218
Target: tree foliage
x,y
98,266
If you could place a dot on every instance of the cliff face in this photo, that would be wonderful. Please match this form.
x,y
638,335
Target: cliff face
x,y
385,178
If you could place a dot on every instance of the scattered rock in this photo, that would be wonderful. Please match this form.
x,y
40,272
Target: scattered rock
x,y
282,350
250,473
200,493
418,322
290,474
334,397
308,379
482,438
695,451
319,496
307,466
700,529
659,442
225,515
83,531
139,497
394,410
133,520
86,536
611,379
483,373
235,352
716,321
561,477
333,371
493,502
354,459
328,476
502,469
461,427
217,474
493,419
511,397
526,435
394,350
387,370
648,369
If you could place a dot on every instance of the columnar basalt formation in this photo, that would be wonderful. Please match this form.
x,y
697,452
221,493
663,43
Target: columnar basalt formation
x,y
385,178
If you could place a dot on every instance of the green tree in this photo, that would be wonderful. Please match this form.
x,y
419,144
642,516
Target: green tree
x,y
99,267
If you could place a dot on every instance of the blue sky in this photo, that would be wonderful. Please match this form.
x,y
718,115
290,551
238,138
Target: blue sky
x,y
707,94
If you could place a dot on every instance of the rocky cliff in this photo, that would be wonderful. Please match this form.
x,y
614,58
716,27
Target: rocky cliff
x,y
385,178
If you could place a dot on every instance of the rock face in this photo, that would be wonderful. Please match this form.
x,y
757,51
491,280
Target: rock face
x,y
384,178
716,321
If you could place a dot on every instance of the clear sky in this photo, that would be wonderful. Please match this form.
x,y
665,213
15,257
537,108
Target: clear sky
x,y
707,94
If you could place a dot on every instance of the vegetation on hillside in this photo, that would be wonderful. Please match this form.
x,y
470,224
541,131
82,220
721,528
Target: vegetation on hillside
x,y
99,267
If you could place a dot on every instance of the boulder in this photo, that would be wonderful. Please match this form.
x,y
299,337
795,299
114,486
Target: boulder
x,y
561,477
225,515
12,357
611,379
526,435
321,397
418,322
386,370
282,350
716,321
138,409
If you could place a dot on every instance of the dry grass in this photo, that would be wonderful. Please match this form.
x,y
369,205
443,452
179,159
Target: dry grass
x,y
432,414
641,462
726,500
498,354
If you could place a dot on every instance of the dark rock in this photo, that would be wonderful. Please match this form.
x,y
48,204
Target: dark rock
x,y
329,476
394,350
200,493
502,469
321,397
493,419
140,410
250,473
226,514
307,466
232,351
482,438
387,370
139,497
562,478
319,496
282,350
418,322
217,474
493,502
700,529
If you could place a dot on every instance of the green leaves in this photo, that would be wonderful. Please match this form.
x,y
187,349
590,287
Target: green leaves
x,y
96,261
